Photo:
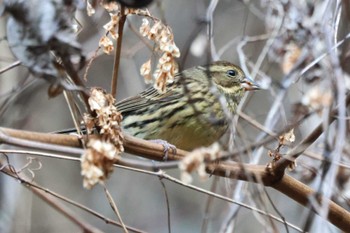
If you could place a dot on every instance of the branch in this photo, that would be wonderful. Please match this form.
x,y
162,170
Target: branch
x,y
302,194
118,51
9,67
293,154
47,196
241,171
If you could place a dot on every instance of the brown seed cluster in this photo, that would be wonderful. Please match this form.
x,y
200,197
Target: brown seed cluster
x,y
163,38
195,161
290,58
106,44
151,28
111,27
318,98
103,150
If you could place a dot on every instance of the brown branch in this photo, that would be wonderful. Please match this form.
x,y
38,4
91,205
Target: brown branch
x,y
68,66
47,196
255,123
241,171
118,51
301,193
114,208
41,145
132,144
292,155
285,184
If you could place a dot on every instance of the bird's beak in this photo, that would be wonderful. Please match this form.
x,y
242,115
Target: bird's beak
x,y
249,85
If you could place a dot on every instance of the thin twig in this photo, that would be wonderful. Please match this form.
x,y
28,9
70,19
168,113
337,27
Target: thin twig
x,y
118,51
73,110
47,195
210,21
89,62
276,209
9,67
208,204
136,163
163,175
256,124
114,207
306,142
37,144
167,203
22,85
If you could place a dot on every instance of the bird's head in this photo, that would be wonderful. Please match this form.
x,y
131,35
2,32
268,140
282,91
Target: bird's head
x,y
230,79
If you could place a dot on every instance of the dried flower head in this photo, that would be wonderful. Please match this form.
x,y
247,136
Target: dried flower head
x,y
106,44
163,38
97,161
145,71
102,150
283,140
290,57
90,9
145,27
287,138
195,161
111,26
111,6
113,9
300,37
151,28
318,98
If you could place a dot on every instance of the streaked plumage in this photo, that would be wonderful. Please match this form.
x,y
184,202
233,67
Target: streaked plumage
x,y
187,115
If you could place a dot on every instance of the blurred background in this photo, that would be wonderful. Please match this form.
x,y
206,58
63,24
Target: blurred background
x,y
140,198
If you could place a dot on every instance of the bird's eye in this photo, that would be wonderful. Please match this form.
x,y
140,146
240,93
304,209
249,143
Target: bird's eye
x,y
231,73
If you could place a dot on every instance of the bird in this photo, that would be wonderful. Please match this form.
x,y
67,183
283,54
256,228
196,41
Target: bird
x,y
188,114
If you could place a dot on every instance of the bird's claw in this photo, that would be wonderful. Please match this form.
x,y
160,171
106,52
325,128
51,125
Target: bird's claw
x,y
167,146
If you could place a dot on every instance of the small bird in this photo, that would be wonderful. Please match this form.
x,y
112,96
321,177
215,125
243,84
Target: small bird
x,y
188,115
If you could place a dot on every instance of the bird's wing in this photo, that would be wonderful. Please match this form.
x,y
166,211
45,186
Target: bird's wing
x,y
149,97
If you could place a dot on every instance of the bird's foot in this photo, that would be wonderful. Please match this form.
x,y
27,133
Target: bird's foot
x,y
167,146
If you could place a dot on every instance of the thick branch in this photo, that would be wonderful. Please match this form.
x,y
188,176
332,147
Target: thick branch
x,y
132,145
292,155
247,172
302,193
